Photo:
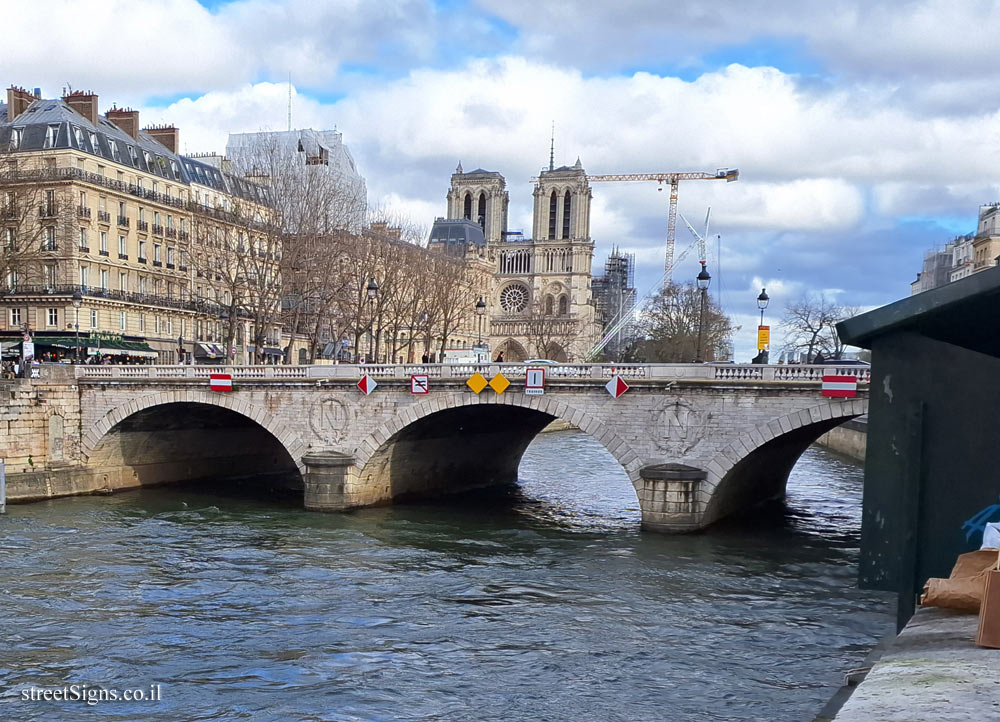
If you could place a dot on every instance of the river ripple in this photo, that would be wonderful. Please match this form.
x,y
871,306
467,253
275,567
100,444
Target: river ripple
x,y
546,603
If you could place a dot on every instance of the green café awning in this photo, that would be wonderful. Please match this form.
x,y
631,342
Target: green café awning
x,y
107,347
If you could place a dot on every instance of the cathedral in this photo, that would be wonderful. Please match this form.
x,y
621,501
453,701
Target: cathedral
x,y
541,303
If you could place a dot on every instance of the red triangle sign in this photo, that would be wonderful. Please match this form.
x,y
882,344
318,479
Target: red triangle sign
x,y
367,384
616,386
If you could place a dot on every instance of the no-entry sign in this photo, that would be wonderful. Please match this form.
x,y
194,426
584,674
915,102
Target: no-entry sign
x,y
840,387
220,382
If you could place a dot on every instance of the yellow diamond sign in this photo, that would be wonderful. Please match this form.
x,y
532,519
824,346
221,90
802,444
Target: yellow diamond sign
x,y
499,383
476,382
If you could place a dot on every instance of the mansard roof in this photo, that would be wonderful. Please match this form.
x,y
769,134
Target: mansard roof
x,y
110,143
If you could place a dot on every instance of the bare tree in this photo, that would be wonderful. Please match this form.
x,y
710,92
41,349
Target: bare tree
x,y
670,325
35,221
547,332
809,325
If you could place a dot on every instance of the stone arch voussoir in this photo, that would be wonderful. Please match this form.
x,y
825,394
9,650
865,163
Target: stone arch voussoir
x,y
113,417
749,441
549,404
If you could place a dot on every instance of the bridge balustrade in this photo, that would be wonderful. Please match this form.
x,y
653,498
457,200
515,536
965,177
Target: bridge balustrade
x,y
514,371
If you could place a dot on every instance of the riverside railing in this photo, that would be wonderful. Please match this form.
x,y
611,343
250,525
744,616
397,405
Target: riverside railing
x,y
460,372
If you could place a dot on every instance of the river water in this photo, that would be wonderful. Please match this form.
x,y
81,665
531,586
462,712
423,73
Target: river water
x,y
541,603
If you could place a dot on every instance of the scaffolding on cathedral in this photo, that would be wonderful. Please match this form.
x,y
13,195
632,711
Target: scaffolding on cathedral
x,y
615,297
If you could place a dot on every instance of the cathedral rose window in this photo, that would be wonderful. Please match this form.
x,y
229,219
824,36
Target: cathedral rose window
x,y
514,298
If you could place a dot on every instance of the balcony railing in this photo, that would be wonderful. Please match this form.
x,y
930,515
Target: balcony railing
x,y
123,256
58,174
83,211
183,235
48,210
142,226
157,230
142,259
103,217
104,253
50,246
123,221
182,267
170,266
158,264
84,249
146,299
171,232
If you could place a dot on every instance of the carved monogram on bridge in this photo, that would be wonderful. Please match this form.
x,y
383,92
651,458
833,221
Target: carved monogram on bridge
x,y
680,427
330,418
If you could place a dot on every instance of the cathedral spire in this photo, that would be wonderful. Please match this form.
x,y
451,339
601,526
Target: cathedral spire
x,y
552,148
459,169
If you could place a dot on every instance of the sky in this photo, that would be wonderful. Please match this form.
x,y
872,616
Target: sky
x,y
865,132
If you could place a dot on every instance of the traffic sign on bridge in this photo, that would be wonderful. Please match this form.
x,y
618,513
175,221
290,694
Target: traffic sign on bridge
x,y
367,384
616,386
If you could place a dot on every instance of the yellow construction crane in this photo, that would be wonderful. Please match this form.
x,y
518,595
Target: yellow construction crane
x,y
727,174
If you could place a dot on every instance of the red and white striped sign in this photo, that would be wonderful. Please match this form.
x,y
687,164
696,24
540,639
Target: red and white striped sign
x,y
842,387
220,382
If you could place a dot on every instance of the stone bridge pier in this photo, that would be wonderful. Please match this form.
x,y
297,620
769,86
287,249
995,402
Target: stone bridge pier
x,y
697,442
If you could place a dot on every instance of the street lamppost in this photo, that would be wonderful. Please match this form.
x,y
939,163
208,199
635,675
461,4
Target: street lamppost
x,y
762,301
703,278
77,301
372,293
480,311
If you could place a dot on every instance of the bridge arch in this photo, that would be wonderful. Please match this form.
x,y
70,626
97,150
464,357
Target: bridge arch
x,y
92,439
418,451
755,466
188,434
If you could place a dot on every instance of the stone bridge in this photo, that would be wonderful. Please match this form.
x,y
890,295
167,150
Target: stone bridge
x,y
698,442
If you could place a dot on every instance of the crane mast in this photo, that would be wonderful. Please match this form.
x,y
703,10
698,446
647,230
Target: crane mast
x,y
727,174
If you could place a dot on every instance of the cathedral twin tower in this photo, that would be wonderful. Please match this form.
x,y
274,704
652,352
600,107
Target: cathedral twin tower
x,y
562,202
541,302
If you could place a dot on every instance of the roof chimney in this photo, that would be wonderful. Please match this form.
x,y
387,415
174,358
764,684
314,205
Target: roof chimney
x,y
126,119
18,100
83,103
166,135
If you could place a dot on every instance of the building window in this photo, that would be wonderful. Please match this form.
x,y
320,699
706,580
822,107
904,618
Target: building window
x,y
142,211
123,281
53,315
566,209
142,284
104,279
170,255
83,276
170,327
156,253
100,171
156,324
94,147
15,317
15,138
104,242
50,276
49,243
553,207
142,322
122,246
83,238
93,318
563,305
142,250
50,136
122,325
